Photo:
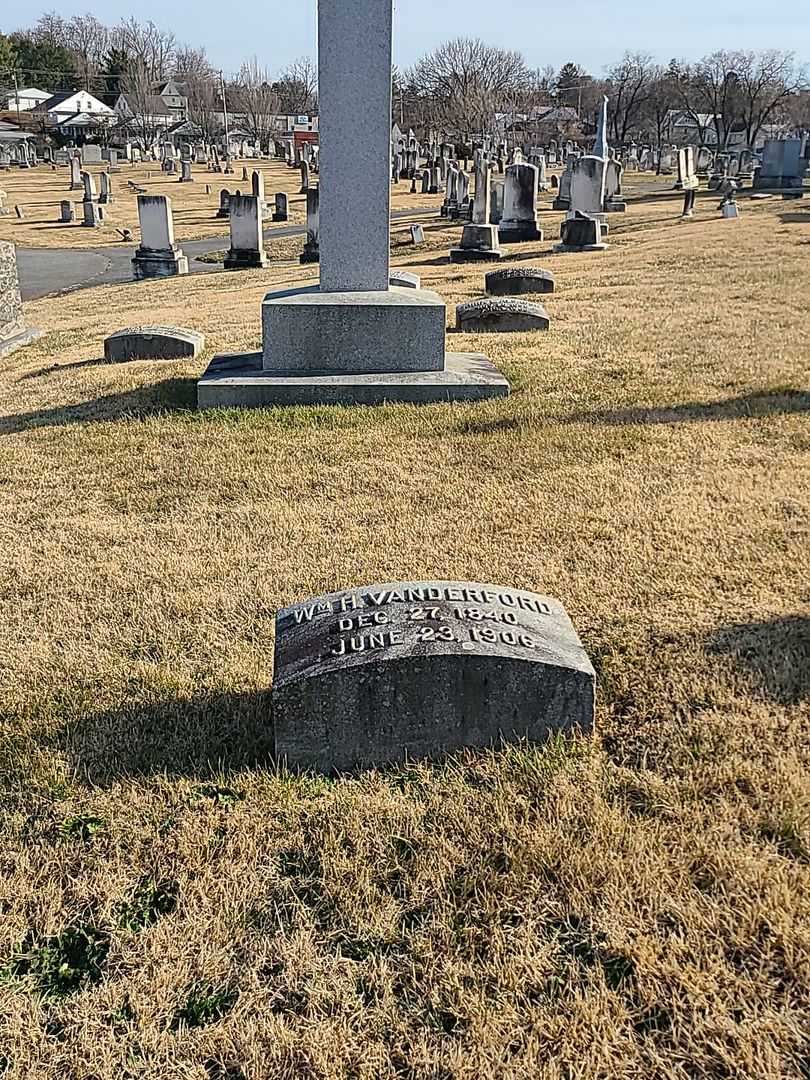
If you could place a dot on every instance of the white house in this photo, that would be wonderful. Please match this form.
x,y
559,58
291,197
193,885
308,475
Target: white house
x,y
22,100
61,107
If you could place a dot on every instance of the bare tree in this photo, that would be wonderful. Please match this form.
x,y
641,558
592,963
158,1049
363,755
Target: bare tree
x,y
662,101
200,85
716,82
630,87
146,123
88,41
766,81
469,81
297,88
152,49
257,98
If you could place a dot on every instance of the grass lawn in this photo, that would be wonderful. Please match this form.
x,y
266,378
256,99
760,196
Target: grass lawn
x,y
39,191
633,905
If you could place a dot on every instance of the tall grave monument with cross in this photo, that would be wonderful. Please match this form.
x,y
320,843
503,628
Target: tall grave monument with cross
x,y
352,339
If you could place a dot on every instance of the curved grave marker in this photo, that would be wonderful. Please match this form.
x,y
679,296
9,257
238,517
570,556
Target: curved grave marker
x,y
410,670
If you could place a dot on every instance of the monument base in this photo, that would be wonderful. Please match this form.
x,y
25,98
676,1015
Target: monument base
x,y
462,255
149,263
560,249
613,206
519,232
237,380
245,260
17,341
396,330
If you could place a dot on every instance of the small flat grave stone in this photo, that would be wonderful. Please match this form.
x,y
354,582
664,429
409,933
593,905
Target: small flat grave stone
x,y
413,670
516,280
153,343
405,280
501,316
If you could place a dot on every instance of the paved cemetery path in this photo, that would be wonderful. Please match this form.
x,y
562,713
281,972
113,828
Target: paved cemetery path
x,y
46,271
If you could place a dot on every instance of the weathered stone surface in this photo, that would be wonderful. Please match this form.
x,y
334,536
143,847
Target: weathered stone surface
x,y
504,316
153,343
363,332
404,279
580,232
13,331
414,670
479,243
354,76
516,280
240,381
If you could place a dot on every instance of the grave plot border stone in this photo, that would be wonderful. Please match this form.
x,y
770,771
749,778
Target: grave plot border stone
x,y
153,343
502,315
518,280
413,670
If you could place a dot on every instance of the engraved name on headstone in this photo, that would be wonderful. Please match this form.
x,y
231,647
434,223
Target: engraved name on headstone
x,y
387,673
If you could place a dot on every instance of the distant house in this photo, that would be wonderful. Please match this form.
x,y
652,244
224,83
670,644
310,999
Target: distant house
x,y
542,124
23,100
148,109
174,97
61,108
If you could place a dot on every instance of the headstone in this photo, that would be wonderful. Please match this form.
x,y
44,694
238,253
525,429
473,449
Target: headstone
x,y
519,223
479,239
519,280
500,316
158,255
185,173
105,195
588,185
89,187
91,154
93,214
247,242
580,232
687,178
153,343
312,250
224,203
281,212
13,331
783,165
75,173
413,670
353,339
417,234
304,178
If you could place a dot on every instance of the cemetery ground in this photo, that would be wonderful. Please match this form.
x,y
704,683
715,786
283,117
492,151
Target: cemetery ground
x,y
39,191
632,905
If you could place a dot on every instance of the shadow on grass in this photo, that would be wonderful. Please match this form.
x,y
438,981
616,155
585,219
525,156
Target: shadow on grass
x,y
167,396
197,737
776,655
52,369
775,403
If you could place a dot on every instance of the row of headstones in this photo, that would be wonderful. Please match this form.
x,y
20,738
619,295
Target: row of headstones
x,y
159,256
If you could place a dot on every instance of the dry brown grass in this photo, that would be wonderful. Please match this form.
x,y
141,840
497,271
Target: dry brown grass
x,y
636,905
39,192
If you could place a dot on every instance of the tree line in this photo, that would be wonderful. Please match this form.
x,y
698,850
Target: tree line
x,y
464,86
134,58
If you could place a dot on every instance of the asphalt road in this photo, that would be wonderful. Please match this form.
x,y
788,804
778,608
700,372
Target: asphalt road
x,y
49,271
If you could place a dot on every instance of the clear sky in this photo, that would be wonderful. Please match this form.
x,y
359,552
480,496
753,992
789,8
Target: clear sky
x,y
593,33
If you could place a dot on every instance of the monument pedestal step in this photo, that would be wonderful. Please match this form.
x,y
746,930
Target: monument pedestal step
x,y
237,380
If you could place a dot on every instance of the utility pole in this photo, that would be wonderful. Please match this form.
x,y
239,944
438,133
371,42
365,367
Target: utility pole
x,y
225,114
17,97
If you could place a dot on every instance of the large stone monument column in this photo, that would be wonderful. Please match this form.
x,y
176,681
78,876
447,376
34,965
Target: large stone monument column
x,y
352,339
354,88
